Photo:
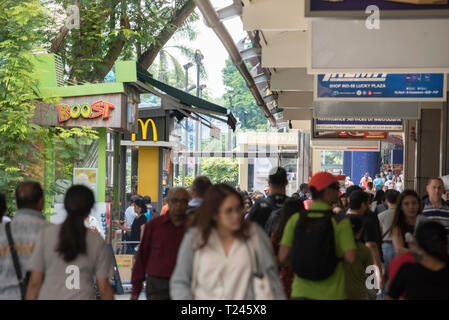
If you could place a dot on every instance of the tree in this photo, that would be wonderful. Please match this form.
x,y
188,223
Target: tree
x,y
244,106
221,170
116,29
21,141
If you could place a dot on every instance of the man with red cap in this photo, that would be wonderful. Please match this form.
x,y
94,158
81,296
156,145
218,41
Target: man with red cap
x,y
328,284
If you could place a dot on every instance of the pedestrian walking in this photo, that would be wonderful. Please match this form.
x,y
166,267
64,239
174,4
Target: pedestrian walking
x,y
435,208
138,226
355,274
286,273
316,256
429,278
156,257
398,185
197,191
378,182
404,220
386,221
364,181
24,228
261,211
223,255
68,256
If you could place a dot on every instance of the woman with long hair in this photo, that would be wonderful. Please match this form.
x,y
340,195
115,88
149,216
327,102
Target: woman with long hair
x,y
286,274
429,277
68,256
224,256
404,221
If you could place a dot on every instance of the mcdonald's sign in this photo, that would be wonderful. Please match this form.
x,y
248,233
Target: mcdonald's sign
x,y
144,127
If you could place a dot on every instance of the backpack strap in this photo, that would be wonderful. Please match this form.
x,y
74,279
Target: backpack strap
x,y
15,257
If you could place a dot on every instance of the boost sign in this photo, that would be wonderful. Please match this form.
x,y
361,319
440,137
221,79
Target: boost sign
x,y
87,111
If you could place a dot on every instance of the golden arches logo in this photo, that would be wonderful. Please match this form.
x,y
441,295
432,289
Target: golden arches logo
x,y
144,127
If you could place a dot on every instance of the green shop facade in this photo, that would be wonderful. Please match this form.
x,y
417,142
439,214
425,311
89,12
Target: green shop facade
x,y
133,152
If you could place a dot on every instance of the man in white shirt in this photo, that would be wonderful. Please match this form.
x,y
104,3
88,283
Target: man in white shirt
x,y
130,215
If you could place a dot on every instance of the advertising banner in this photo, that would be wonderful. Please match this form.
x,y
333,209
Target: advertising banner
x,y
358,124
388,8
380,87
351,135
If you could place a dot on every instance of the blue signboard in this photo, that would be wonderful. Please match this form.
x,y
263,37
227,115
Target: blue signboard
x,y
358,124
380,87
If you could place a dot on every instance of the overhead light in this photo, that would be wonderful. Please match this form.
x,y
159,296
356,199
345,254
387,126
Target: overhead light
x,y
188,65
276,110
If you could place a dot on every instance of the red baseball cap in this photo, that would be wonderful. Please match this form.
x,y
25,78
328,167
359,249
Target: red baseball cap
x,y
321,180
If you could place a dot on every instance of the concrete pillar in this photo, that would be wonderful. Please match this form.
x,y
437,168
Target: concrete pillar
x,y
347,163
303,157
316,161
429,148
409,154
364,162
243,168
445,140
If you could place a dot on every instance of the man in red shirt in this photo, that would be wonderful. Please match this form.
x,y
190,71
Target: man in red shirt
x,y
156,257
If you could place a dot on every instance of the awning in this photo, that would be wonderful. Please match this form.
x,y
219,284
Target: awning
x,y
197,104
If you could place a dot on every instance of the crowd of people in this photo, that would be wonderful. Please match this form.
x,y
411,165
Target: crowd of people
x,y
329,240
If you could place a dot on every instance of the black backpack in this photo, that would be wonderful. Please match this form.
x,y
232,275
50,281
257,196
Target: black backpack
x,y
313,249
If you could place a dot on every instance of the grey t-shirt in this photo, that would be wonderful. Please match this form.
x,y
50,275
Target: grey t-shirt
x,y
70,280
386,220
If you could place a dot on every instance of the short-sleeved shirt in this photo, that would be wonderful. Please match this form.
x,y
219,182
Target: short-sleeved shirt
x,y
332,288
386,220
378,183
420,283
70,280
130,215
355,274
135,228
440,214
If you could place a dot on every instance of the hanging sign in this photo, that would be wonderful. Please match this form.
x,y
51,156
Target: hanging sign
x,y
357,124
388,8
380,87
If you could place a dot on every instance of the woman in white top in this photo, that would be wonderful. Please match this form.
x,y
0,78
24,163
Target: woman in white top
x,y
398,185
220,255
69,256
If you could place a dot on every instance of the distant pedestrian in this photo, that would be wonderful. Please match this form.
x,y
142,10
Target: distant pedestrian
x,y
138,226
429,278
399,186
378,205
222,253
25,228
382,176
261,211
150,213
348,182
156,257
378,182
69,255
197,191
304,193
364,181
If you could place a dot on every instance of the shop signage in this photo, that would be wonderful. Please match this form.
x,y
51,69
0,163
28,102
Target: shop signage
x,y
357,124
87,111
351,135
380,87
144,128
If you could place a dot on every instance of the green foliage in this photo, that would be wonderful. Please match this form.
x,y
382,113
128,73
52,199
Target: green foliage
x,y
221,170
333,157
188,180
111,30
22,143
242,101
19,147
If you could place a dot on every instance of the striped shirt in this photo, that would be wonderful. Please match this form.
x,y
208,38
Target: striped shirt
x,y
440,214
25,228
